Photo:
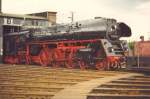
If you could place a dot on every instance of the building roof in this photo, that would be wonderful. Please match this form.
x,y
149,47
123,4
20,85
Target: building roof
x,y
43,12
22,16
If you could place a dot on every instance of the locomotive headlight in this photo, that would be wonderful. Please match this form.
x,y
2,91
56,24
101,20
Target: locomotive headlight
x,y
110,49
113,28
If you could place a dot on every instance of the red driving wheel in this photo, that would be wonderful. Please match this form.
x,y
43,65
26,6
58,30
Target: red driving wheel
x,y
82,65
70,64
43,59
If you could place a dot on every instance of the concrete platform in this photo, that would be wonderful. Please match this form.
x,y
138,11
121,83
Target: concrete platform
x,y
81,90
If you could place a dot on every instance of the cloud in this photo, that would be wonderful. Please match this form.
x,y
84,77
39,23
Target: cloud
x,y
139,20
144,8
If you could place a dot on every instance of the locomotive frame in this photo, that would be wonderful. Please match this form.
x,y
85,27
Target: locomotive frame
x,y
95,53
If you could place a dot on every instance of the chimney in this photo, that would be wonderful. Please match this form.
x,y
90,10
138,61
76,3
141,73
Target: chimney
x,y
142,38
0,6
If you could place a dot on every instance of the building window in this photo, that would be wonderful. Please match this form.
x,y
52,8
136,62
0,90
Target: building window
x,y
9,21
32,22
36,22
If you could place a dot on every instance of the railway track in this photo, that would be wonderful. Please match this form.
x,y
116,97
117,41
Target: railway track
x,y
135,87
34,82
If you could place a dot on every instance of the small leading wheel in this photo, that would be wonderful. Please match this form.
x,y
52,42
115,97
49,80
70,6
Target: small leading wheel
x,y
114,66
101,65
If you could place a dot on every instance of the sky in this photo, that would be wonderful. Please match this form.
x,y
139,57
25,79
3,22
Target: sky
x,y
136,13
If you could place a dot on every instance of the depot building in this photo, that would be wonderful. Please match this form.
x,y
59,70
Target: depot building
x,y
10,23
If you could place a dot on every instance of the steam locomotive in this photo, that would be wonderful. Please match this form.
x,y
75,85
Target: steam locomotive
x,y
84,44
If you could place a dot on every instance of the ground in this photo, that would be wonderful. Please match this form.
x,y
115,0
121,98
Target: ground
x,y
36,82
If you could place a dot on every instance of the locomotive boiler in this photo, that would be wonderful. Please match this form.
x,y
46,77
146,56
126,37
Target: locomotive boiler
x,y
84,44
88,29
